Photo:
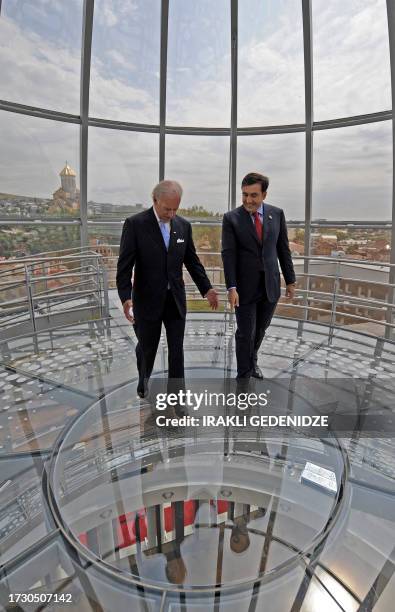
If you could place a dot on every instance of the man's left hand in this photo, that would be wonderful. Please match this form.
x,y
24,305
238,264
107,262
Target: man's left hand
x,y
212,298
290,291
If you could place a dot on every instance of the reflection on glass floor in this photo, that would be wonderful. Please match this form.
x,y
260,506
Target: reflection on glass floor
x,y
166,509
147,536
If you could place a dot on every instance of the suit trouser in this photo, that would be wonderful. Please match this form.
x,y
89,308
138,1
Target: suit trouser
x,y
148,336
252,322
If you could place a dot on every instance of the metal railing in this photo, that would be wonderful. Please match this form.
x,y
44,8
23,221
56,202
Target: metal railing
x,y
364,306
59,288
38,293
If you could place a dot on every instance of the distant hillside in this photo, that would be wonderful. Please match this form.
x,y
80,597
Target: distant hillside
x,y
13,196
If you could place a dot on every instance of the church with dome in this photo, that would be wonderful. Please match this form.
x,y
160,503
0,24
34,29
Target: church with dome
x,y
66,199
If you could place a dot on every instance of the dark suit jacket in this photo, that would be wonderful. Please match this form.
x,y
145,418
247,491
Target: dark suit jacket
x,y
142,247
245,258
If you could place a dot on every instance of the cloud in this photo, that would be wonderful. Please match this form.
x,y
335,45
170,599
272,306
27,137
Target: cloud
x,y
353,173
123,166
201,165
119,59
106,15
271,70
113,99
351,58
352,167
36,72
109,13
281,157
35,153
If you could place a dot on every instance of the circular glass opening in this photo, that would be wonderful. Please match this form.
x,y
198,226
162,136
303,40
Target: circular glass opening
x,y
163,507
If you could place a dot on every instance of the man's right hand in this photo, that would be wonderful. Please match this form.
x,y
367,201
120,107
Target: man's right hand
x,y
233,298
127,306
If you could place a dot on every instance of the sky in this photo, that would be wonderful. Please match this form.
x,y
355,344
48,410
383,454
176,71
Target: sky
x,y
40,48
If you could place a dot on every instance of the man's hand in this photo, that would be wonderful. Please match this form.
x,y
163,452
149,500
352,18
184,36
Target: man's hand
x,y
212,298
127,307
233,298
290,291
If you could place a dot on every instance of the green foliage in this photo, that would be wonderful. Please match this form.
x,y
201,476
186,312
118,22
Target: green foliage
x,y
30,241
198,211
299,235
207,236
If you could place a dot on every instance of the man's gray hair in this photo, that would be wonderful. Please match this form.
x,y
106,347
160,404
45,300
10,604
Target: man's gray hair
x,y
165,188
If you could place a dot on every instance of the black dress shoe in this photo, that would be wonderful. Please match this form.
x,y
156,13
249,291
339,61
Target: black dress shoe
x,y
142,388
257,372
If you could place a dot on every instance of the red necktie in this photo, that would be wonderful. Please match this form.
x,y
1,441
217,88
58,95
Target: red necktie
x,y
258,225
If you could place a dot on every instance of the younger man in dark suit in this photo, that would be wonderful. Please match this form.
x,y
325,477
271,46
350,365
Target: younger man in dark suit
x,y
254,239
156,243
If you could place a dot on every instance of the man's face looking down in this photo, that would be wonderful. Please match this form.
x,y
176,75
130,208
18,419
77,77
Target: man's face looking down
x,y
166,206
252,196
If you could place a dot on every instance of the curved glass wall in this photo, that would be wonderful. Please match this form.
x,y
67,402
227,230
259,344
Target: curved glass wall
x,y
352,174
123,176
284,157
200,93
199,63
34,153
124,82
40,54
351,58
270,63
204,172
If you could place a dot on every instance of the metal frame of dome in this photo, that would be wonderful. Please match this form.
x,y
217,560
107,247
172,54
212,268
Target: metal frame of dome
x,y
84,120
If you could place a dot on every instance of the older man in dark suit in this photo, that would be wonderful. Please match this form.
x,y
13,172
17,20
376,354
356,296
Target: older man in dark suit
x,y
254,239
156,243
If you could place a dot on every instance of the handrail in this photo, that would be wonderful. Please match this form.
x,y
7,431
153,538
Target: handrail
x,y
361,301
319,258
69,296
39,258
345,278
367,302
40,303
90,251
86,280
51,293
351,316
37,279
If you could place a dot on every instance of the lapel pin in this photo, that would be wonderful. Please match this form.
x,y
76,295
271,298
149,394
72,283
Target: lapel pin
x,y
270,217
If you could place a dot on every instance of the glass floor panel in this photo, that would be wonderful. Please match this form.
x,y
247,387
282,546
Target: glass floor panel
x,y
34,410
250,541
22,519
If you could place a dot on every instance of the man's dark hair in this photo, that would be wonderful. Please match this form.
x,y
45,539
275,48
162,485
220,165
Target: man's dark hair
x,y
254,177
